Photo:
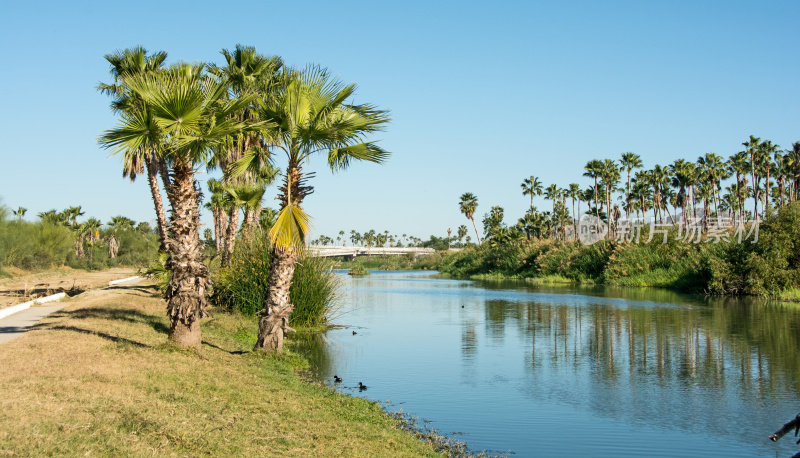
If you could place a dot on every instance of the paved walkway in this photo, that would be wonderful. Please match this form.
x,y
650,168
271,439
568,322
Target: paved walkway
x,y
15,325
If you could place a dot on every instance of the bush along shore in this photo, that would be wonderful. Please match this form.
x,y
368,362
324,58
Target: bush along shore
x,y
725,265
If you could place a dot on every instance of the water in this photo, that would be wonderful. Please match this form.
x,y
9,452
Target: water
x,y
570,371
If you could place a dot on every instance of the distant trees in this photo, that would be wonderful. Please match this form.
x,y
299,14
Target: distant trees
x,y
763,172
468,205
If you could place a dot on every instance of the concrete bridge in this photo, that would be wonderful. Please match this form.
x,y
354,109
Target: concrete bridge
x,y
351,252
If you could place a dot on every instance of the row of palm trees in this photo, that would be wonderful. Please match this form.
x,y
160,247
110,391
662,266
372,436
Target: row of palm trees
x,y
761,172
178,119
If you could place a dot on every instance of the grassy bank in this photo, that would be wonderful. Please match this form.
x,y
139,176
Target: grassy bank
x,y
97,379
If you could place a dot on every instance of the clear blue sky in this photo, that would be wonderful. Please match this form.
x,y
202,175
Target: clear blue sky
x,y
482,95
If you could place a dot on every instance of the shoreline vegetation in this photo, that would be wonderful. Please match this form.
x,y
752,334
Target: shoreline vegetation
x,y
767,268
108,391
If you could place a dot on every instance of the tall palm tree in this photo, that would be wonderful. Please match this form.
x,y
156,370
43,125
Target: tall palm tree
x,y
219,204
191,115
609,173
311,115
461,232
552,193
592,170
244,157
574,193
768,151
531,187
630,161
738,165
124,64
468,204
753,150
793,156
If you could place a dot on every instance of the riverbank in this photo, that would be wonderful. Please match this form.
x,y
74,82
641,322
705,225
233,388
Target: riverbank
x,y
405,262
98,378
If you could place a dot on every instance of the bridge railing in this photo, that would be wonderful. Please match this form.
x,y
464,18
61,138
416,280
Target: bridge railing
x,y
353,251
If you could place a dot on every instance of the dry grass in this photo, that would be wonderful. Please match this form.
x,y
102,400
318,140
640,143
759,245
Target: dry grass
x,y
23,285
97,378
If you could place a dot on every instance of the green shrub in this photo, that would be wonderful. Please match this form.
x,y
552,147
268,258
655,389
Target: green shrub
x,y
241,286
358,271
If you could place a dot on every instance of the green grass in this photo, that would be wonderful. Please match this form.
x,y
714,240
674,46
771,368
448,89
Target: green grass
x,y
790,295
117,389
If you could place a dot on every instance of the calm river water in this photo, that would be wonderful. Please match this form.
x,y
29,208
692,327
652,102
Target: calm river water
x,y
570,371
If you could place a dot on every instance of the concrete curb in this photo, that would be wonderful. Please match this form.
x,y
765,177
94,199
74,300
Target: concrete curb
x,y
123,280
26,305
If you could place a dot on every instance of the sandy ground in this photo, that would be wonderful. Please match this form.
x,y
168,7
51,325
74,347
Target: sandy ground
x,y
26,286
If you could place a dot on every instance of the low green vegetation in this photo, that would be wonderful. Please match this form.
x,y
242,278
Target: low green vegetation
x,y
118,390
398,262
59,239
358,271
241,286
768,267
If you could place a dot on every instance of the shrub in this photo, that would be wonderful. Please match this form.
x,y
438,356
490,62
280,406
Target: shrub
x,y
241,286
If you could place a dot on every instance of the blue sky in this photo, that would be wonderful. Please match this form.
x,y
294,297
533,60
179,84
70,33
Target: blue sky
x,y
482,95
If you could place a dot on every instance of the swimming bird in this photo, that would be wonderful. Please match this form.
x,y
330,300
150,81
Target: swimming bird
x,y
337,379
462,306
354,333
361,386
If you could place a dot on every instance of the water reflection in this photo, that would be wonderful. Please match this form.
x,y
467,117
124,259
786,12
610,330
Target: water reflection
x,y
514,366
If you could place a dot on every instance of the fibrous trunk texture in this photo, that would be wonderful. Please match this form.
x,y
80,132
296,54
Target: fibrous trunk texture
x,y
274,322
230,235
161,218
186,292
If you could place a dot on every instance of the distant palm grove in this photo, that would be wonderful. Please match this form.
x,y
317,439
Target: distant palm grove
x,y
714,225
240,118
681,193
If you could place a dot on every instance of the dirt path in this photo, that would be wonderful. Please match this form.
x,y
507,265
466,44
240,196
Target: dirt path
x,y
17,324
25,287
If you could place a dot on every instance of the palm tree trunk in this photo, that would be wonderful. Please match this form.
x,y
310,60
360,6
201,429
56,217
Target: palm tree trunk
x,y
161,218
230,235
186,292
476,230
274,322
165,180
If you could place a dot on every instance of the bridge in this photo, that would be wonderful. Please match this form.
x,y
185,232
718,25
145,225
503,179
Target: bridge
x,y
351,252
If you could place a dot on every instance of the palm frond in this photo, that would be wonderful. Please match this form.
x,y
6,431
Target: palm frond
x,y
339,158
289,231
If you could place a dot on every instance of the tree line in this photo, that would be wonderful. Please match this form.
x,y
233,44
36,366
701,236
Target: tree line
x,y
696,191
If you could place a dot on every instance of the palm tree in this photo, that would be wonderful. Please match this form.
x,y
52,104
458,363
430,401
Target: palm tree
x,y
682,179
768,151
311,115
125,64
552,193
753,150
609,174
574,192
713,169
630,161
219,204
461,232
468,205
738,165
531,187
244,158
794,170
190,115
20,213
592,170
